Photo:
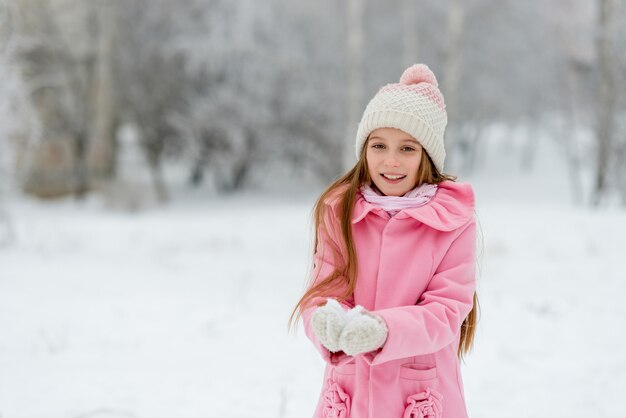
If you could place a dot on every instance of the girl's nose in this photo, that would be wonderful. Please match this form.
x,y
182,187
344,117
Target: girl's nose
x,y
392,161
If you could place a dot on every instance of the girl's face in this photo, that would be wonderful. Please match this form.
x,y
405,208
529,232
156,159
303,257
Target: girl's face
x,y
393,158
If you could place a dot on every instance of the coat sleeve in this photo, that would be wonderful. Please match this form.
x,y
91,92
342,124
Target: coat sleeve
x,y
328,236
435,320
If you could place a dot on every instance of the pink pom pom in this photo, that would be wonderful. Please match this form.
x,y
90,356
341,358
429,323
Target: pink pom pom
x,y
418,73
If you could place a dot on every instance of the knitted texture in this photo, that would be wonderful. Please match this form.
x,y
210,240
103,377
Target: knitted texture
x,y
327,322
414,105
364,332
353,332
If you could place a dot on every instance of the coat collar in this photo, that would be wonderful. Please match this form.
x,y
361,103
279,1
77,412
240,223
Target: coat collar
x,y
451,207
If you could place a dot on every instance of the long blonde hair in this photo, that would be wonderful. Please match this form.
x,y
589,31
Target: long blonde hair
x,y
345,274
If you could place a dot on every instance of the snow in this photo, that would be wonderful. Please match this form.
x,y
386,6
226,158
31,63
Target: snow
x,y
181,310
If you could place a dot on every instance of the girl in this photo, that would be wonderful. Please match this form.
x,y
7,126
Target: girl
x,y
392,306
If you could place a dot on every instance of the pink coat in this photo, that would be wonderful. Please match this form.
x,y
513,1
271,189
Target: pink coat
x,y
417,271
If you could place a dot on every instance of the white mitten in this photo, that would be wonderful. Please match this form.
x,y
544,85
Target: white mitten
x,y
327,322
363,332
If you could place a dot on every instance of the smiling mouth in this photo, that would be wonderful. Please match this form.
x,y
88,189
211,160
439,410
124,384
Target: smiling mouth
x,y
392,177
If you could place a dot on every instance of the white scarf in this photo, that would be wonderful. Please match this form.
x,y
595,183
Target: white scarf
x,y
417,197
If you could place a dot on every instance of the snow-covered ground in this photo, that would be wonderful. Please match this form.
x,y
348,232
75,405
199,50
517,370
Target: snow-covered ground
x,y
181,311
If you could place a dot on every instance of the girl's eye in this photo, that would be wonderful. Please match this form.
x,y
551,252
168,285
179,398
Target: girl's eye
x,y
408,149
379,146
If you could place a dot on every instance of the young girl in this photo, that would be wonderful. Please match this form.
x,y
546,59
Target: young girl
x,y
392,304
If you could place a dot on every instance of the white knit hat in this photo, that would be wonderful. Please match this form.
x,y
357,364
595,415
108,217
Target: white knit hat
x,y
414,105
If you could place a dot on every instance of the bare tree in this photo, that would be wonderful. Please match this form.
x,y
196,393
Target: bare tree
x,y
47,70
151,81
619,48
100,155
606,99
575,66
452,67
66,85
409,29
7,121
355,12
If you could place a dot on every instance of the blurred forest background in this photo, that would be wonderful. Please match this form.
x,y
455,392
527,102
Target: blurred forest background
x,y
231,95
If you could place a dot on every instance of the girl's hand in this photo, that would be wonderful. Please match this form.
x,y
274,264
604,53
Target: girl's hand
x,y
363,332
354,332
327,323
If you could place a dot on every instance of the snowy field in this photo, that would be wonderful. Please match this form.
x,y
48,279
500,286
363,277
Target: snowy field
x,y
181,311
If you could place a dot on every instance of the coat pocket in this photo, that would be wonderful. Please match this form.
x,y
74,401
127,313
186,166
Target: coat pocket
x,y
420,390
418,371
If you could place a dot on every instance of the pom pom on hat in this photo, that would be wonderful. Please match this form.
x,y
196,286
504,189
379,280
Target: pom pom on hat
x,y
418,73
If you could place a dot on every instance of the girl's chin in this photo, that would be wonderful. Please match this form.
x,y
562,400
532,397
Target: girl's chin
x,y
395,194
390,191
